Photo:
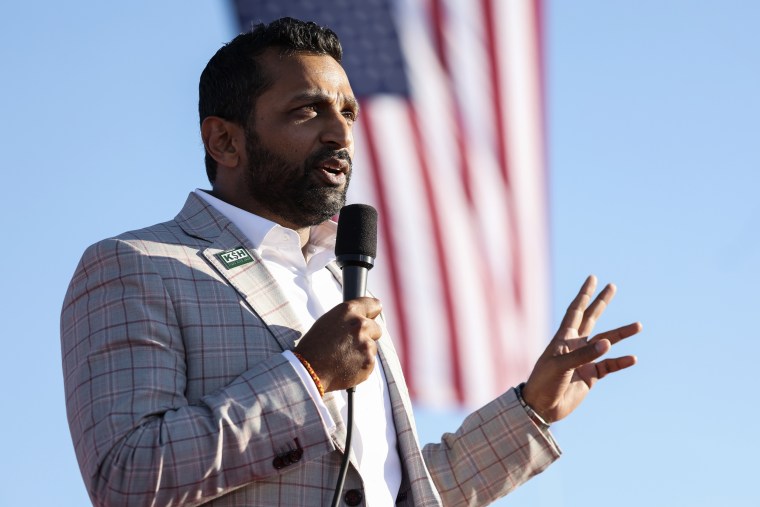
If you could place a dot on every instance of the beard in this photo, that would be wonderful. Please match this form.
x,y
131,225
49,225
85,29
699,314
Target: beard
x,y
291,192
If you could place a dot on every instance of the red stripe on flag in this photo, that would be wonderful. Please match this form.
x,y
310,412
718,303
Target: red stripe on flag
x,y
494,69
438,17
539,20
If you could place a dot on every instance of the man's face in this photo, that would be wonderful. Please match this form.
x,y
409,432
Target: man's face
x,y
299,142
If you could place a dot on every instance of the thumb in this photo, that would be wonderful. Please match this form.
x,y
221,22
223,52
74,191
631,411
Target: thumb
x,y
584,355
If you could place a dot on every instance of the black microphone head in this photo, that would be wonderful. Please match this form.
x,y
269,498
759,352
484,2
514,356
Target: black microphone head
x,y
357,231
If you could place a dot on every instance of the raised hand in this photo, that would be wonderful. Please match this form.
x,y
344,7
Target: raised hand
x,y
340,346
566,371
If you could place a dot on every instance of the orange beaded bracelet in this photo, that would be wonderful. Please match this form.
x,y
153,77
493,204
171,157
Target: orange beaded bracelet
x,y
313,374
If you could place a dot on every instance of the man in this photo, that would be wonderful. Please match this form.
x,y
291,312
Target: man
x,y
205,358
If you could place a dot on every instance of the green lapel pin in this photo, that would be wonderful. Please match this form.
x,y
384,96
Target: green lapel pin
x,y
235,257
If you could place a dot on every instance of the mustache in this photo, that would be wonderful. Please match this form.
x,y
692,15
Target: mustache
x,y
318,157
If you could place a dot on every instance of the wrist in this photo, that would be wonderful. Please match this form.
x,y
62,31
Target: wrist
x,y
534,416
312,373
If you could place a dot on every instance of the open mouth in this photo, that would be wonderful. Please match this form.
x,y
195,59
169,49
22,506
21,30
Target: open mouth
x,y
335,165
333,171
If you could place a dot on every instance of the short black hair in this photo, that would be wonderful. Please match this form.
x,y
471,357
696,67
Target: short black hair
x,y
233,79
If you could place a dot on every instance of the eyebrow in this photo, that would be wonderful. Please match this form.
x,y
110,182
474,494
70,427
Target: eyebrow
x,y
322,96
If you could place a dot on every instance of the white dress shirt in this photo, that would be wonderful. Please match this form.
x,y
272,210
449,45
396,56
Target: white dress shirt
x,y
312,290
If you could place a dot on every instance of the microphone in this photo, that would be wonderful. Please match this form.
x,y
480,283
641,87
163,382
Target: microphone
x,y
356,247
355,250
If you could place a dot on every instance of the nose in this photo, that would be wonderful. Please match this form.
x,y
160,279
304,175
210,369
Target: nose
x,y
338,131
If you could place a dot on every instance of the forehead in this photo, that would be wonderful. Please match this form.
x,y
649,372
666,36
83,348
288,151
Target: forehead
x,y
304,73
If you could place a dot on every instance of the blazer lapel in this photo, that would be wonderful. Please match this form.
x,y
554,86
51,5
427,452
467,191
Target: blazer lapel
x,y
251,279
257,286
415,470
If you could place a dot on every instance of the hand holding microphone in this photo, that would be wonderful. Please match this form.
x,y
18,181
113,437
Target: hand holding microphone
x,y
340,346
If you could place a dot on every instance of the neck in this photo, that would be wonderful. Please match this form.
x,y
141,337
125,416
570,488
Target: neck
x,y
253,207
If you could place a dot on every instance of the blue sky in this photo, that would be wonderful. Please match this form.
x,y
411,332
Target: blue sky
x,y
653,129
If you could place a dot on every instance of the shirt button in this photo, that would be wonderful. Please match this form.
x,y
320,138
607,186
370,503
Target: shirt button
x,y
353,497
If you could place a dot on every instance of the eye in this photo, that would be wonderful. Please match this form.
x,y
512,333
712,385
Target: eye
x,y
304,112
350,115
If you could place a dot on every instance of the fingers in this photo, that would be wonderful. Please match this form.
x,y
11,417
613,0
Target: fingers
x,y
363,312
366,327
583,355
614,364
365,306
615,335
574,314
595,310
593,351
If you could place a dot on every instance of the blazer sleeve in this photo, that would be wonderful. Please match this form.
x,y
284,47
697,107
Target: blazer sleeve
x,y
137,438
497,448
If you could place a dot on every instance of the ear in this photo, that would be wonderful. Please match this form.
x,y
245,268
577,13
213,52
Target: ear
x,y
223,140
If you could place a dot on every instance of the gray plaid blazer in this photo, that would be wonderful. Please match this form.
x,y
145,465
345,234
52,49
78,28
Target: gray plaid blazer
x,y
177,392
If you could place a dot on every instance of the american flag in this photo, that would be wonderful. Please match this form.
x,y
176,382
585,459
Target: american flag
x,y
450,150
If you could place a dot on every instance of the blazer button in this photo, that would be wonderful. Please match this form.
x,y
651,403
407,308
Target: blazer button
x,y
295,455
353,497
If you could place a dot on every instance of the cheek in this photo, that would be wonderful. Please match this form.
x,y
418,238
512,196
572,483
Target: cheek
x,y
292,144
